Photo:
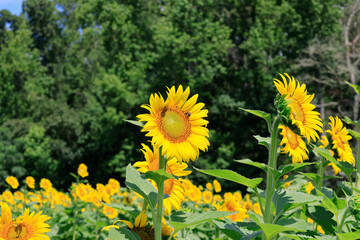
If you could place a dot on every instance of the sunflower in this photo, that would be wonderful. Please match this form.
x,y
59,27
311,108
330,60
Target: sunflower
x,y
177,124
302,115
339,143
172,187
140,227
231,204
293,144
12,181
29,226
82,170
30,181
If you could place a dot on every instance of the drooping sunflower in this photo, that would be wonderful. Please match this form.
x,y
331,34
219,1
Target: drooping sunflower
x,y
339,143
172,187
302,114
29,226
293,144
177,124
140,227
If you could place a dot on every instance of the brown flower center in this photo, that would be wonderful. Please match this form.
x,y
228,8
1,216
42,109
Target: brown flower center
x,y
17,232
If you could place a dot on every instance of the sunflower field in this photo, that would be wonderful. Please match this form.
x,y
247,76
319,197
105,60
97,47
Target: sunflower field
x,y
180,120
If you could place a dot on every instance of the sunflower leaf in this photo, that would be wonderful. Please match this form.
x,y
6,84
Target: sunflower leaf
x,y
355,134
355,87
136,123
259,113
139,184
123,233
349,121
232,176
322,217
247,161
271,230
285,200
349,235
233,231
265,141
291,167
159,176
181,220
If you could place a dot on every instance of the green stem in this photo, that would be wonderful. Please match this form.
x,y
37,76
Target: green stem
x,y
74,222
321,172
357,185
159,210
340,225
145,205
270,184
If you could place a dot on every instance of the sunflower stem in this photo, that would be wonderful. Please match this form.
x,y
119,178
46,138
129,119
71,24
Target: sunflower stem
x,y
321,172
159,210
357,185
270,183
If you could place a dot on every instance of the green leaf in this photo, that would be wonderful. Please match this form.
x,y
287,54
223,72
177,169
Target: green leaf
x,y
233,176
312,176
285,200
122,234
265,141
132,211
136,123
355,134
322,217
247,161
355,87
232,230
306,237
291,167
349,236
139,184
349,121
181,220
328,204
159,176
271,230
346,187
259,113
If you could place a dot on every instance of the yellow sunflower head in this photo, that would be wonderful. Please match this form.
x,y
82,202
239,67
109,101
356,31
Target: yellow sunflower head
x,y
293,144
140,227
28,226
172,187
30,181
12,181
177,124
340,141
82,170
296,109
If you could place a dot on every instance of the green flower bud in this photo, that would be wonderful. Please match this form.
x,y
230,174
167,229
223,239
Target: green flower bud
x,y
354,204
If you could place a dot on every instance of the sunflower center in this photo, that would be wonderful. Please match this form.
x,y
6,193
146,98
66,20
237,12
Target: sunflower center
x,y
144,233
174,124
297,111
17,232
292,137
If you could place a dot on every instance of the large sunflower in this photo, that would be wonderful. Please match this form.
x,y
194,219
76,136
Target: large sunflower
x,y
177,124
29,226
293,144
339,137
172,187
302,114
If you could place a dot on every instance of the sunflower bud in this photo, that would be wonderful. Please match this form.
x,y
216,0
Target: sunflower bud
x,y
354,204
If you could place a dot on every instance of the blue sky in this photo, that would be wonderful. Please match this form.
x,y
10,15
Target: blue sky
x,y
14,6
